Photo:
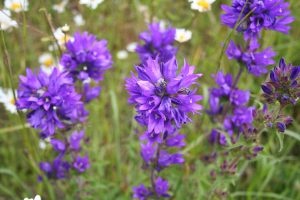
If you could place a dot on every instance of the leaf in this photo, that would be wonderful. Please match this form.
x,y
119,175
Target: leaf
x,y
280,137
292,134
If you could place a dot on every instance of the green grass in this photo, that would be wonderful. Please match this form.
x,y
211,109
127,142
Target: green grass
x,y
113,145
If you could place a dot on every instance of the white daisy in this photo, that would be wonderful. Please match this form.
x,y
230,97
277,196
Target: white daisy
x,y
61,37
132,46
47,62
78,19
93,4
16,5
201,5
6,23
60,7
122,54
183,35
37,197
42,144
7,98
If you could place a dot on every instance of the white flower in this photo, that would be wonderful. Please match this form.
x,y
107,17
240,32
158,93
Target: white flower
x,y
122,54
132,46
61,37
16,5
7,98
37,197
42,144
78,19
183,35
60,7
6,23
202,5
65,28
91,3
47,62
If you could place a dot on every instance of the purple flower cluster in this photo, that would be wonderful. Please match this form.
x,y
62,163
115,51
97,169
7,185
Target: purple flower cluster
x,y
163,99
255,61
158,41
228,106
253,16
56,108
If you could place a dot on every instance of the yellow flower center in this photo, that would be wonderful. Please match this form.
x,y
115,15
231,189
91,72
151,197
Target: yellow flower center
x,y
182,37
16,6
48,62
12,101
204,4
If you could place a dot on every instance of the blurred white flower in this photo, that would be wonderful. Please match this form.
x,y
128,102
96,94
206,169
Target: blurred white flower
x,y
65,28
47,62
7,98
61,37
93,4
37,197
122,54
132,46
16,5
78,19
6,23
201,5
42,144
183,35
60,7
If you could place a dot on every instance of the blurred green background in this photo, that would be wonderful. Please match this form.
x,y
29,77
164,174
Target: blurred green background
x,y
113,145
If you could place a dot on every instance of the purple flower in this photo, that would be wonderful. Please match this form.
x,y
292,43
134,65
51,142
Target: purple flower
x,y
217,137
141,192
158,41
176,141
162,97
58,145
261,14
75,140
161,187
86,57
255,61
165,159
284,84
147,151
90,93
51,100
58,169
81,163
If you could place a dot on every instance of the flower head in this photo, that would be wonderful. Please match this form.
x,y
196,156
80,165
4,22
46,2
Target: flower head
x,y
47,62
93,4
6,23
201,5
16,5
258,15
163,97
7,98
141,192
158,41
50,99
60,7
37,197
78,20
183,35
86,57
81,163
283,85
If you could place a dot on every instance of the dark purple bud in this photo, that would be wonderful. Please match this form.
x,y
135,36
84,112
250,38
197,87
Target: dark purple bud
x,y
280,127
46,167
267,89
257,149
273,76
294,73
288,120
282,64
269,124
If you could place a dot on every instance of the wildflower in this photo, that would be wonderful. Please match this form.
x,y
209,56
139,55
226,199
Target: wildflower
x,y
81,163
60,7
201,5
93,4
59,168
141,192
61,37
16,5
162,97
255,61
50,99
161,187
47,62
262,14
131,47
65,28
122,54
8,100
6,23
37,197
86,57
183,35
78,19
158,41
283,85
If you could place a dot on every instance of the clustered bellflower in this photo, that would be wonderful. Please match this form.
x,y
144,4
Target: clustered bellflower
x,y
253,16
158,41
282,87
228,106
163,98
56,108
